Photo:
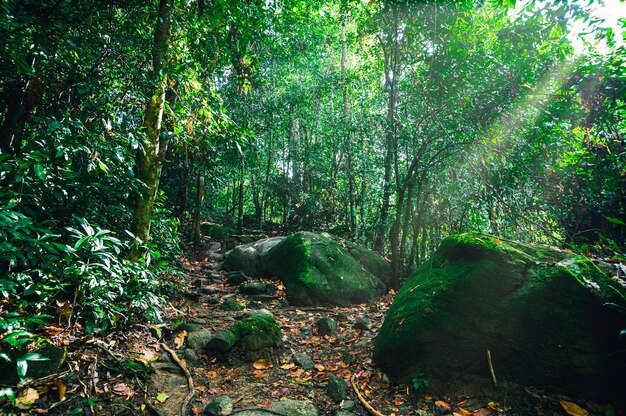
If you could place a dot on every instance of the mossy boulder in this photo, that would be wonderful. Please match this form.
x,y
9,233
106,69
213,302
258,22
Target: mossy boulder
x,y
319,271
540,312
216,231
371,261
249,258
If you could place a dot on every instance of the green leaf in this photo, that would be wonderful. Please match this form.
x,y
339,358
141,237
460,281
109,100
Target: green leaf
x,y
40,171
614,220
22,367
33,356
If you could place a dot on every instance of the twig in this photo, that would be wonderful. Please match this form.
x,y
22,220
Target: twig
x,y
367,406
493,373
184,406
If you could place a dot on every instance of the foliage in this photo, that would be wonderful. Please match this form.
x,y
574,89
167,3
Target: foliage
x,y
420,381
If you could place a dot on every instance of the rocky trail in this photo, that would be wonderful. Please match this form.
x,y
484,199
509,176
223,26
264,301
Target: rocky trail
x,y
321,363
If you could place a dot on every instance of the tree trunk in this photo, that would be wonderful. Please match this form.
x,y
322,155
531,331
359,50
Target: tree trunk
x,y
197,213
150,160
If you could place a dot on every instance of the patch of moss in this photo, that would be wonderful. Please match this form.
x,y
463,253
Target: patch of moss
x,y
216,231
258,332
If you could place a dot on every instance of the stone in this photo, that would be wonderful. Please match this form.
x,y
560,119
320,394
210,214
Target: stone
x,y
342,412
216,231
348,405
257,288
223,341
201,282
539,311
337,389
192,358
369,260
259,335
258,312
232,304
216,257
211,266
303,360
326,326
220,406
319,271
250,258
364,324
197,340
294,408
341,317
236,278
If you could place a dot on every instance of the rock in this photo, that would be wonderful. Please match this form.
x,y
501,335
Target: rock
x,y
294,408
211,266
236,278
221,406
197,340
337,389
341,317
259,335
537,310
232,304
258,312
318,271
216,231
216,257
201,282
364,324
303,360
192,358
257,288
342,412
348,405
222,341
250,258
372,262
326,326
215,276
199,321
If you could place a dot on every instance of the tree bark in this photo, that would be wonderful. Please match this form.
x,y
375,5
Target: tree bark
x,y
150,160
197,213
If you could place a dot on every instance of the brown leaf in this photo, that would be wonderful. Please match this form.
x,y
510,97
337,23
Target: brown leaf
x,y
260,374
462,412
573,409
61,388
441,403
319,367
179,341
262,364
122,389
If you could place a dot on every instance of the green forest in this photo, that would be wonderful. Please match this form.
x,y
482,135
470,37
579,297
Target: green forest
x,y
287,207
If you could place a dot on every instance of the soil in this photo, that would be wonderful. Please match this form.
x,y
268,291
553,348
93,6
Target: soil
x,y
96,386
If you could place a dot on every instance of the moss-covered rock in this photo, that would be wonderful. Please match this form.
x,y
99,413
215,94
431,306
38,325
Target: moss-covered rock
x,y
318,271
538,311
216,231
372,262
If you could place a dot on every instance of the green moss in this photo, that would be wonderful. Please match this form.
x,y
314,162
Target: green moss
x,y
216,231
263,328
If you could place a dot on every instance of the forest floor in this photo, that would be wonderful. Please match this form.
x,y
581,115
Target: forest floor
x,y
103,381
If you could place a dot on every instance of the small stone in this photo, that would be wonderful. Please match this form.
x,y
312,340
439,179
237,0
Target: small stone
x,y
342,412
221,406
348,405
232,304
303,361
192,295
293,408
201,282
230,319
222,341
258,312
192,358
341,317
364,324
214,276
257,288
305,330
337,389
199,321
326,326
236,278
197,340
216,257
211,266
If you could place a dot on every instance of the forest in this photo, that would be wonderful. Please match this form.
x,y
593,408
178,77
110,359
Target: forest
x,y
345,207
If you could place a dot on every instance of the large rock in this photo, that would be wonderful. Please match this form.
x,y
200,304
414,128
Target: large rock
x,y
319,271
282,408
538,311
249,258
372,262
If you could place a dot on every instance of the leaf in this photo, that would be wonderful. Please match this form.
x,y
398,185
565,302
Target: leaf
x,y
260,374
22,367
262,364
614,220
573,409
26,398
61,388
162,397
122,389
441,403
33,356
179,341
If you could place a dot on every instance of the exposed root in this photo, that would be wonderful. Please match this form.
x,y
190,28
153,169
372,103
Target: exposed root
x,y
365,404
185,405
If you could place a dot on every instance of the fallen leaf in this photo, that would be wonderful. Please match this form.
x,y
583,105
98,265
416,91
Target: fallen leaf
x,y
61,388
26,398
319,367
122,389
441,403
262,364
259,374
211,374
162,397
573,409
398,401
179,341
462,412
288,366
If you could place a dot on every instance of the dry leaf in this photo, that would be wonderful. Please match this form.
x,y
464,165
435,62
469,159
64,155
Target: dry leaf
x,y
26,398
573,409
288,366
462,412
162,397
319,367
262,364
122,389
398,401
259,374
61,388
441,403
211,374
179,341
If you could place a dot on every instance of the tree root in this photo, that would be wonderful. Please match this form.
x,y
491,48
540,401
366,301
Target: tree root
x,y
185,405
365,404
